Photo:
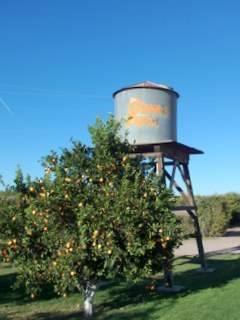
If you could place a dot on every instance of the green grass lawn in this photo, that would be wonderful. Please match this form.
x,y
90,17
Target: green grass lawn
x,y
212,296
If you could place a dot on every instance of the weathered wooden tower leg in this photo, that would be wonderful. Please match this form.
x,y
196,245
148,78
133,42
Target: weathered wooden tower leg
x,y
172,159
193,213
198,236
167,263
189,202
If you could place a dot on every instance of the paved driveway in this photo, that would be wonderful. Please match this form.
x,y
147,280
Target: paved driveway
x,y
229,243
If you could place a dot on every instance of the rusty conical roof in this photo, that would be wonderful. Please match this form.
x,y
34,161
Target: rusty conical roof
x,y
149,85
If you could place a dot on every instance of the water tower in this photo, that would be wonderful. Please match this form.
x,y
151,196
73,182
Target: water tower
x,y
149,114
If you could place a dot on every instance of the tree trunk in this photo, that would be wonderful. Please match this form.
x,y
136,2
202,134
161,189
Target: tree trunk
x,y
167,270
89,294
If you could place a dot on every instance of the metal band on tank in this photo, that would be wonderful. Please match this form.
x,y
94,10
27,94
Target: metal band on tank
x,y
147,87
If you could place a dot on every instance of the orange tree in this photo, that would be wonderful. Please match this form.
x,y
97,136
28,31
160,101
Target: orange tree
x,y
94,215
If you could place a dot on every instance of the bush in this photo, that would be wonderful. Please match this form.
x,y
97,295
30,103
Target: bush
x,y
186,222
214,215
233,204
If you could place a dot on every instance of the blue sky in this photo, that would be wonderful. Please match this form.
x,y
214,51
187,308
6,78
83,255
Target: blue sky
x,y
61,61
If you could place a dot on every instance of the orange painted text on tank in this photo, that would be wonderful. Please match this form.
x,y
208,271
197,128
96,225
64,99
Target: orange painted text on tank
x,y
137,111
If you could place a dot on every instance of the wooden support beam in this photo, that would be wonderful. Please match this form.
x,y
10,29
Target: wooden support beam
x,y
173,174
191,208
198,236
160,167
168,163
175,155
186,178
188,182
178,188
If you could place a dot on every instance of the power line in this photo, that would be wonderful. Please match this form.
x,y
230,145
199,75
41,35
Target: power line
x,y
5,106
30,91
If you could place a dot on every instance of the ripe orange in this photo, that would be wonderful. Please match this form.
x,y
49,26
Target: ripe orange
x,y
68,245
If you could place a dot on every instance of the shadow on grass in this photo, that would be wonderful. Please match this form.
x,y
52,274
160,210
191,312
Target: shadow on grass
x,y
3,317
57,316
17,296
225,270
141,315
121,299
7,294
126,295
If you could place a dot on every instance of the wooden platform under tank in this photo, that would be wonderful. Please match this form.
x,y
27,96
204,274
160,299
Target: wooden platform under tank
x,y
169,149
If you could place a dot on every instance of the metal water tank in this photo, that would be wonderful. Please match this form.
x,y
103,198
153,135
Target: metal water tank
x,y
148,111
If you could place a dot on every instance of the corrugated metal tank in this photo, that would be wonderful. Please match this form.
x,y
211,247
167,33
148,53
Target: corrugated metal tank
x,y
148,111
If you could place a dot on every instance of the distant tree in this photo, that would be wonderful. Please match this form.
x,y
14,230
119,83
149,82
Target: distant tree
x,y
93,216
8,204
1,180
19,181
